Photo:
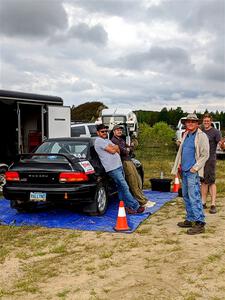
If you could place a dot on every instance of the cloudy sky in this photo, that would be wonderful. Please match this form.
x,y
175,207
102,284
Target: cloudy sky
x,y
139,54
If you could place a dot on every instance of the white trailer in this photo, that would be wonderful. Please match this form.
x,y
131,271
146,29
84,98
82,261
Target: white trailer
x,y
27,119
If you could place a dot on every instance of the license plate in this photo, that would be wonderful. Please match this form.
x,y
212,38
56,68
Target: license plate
x,y
37,196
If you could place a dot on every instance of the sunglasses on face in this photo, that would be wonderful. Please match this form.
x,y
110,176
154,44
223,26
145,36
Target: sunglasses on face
x,y
103,131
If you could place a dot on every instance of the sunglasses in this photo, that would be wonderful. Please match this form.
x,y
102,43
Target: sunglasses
x,y
103,131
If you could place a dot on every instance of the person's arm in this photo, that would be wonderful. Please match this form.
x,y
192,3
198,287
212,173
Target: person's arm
x,y
112,149
123,150
222,143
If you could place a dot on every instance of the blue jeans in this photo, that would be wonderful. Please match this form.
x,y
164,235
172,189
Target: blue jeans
x,y
192,197
123,189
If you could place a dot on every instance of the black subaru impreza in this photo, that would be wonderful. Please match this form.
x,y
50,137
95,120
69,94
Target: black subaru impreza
x,y
60,170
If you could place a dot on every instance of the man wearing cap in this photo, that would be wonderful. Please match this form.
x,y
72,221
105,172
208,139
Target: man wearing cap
x,y
109,155
191,158
208,182
132,177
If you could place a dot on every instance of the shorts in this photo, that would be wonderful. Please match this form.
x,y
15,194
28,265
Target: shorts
x,y
209,172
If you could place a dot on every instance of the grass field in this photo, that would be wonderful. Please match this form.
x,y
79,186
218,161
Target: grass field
x,y
158,261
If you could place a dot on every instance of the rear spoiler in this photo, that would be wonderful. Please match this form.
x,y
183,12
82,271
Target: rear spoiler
x,y
71,159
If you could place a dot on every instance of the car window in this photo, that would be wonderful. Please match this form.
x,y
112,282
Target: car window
x,y
55,148
76,131
92,129
75,148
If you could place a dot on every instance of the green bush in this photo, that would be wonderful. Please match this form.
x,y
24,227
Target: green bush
x,y
158,135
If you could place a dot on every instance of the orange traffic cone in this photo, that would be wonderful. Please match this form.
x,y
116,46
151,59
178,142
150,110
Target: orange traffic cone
x,y
176,185
121,224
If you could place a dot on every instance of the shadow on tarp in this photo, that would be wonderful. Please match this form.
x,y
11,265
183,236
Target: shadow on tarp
x,y
65,218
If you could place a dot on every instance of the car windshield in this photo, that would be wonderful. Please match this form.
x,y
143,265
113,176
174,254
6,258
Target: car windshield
x,y
113,119
76,148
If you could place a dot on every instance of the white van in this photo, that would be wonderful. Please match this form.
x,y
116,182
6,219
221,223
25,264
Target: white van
x,y
83,130
180,129
111,117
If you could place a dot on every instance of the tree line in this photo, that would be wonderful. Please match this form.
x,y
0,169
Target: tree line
x,y
171,116
90,111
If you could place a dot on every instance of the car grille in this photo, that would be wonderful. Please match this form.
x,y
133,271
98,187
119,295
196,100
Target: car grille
x,y
39,177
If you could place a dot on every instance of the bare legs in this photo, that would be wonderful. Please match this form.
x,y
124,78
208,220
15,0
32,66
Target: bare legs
x,y
204,191
212,191
205,188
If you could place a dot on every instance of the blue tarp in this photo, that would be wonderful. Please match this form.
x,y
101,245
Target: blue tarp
x,y
63,218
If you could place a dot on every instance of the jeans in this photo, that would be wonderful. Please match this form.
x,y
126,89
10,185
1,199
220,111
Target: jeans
x,y
192,197
123,189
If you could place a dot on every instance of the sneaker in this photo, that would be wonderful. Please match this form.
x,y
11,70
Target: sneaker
x,y
131,211
149,204
196,229
204,205
185,224
212,209
140,210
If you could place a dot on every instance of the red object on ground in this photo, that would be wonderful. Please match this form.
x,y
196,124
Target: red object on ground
x,y
176,185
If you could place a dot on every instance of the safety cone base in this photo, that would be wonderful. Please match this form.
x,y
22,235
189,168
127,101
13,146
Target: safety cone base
x,y
121,229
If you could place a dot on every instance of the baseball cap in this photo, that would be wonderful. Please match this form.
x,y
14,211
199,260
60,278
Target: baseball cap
x,y
101,126
118,126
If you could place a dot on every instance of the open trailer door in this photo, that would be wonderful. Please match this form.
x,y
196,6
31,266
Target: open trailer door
x,y
59,119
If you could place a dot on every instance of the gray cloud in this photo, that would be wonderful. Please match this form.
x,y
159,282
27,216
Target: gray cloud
x,y
192,15
214,72
216,50
110,7
85,34
31,18
95,34
174,60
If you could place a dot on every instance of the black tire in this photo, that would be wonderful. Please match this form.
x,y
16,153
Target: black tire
x,y
22,207
101,199
2,181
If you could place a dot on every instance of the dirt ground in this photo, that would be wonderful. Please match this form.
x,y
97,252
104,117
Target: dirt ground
x,y
158,261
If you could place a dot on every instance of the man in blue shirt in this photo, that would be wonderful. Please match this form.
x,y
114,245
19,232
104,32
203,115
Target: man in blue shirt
x,y
191,157
109,155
